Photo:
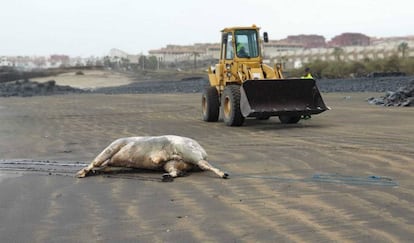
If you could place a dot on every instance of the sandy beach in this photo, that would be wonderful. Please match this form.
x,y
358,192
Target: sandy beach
x,y
343,176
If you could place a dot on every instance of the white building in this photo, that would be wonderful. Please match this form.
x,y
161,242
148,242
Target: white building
x,y
297,58
5,62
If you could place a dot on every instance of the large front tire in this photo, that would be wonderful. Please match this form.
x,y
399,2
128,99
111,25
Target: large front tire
x,y
210,104
230,102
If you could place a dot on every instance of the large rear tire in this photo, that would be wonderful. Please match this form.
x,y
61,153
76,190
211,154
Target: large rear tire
x,y
289,119
210,104
230,102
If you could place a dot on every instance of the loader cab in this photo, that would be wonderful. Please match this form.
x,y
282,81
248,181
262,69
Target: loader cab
x,y
240,43
247,44
240,50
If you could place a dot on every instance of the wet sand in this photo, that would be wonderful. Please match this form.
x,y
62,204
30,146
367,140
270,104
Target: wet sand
x,y
342,176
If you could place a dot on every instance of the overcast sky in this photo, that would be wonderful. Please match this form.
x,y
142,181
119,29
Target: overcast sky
x,y
93,27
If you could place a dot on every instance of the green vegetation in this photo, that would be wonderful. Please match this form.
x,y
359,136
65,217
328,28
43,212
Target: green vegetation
x,y
403,48
346,69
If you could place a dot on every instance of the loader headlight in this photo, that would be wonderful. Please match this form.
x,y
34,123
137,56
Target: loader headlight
x,y
228,70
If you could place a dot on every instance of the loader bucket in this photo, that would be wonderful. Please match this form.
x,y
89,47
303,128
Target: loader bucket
x,y
275,97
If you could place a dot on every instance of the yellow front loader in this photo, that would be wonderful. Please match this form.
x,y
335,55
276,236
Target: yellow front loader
x,y
243,86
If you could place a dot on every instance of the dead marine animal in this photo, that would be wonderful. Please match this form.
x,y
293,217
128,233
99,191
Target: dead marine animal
x,y
173,154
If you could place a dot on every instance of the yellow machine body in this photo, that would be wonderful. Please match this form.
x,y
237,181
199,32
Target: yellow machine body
x,y
263,91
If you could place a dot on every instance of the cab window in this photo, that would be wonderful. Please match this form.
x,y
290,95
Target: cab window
x,y
246,43
229,46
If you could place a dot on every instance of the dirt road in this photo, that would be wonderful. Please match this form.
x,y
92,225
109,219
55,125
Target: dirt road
x,y
344,175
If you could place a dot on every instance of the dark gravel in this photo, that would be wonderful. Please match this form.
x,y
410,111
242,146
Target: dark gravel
x,y
325,85
403,87
380,84
152,87
397,88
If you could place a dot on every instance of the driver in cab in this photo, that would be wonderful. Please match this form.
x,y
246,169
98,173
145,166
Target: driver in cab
x,y
241,51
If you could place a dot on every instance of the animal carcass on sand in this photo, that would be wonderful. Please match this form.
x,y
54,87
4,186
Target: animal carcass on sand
x,y
174,154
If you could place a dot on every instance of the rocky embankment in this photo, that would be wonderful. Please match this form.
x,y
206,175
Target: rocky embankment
x,y
26,88
404,96
399,90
